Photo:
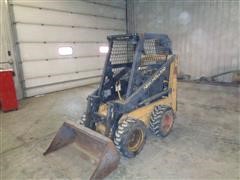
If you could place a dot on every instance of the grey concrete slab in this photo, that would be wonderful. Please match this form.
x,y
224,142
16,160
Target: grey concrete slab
x,y
8,140
204,143
26,162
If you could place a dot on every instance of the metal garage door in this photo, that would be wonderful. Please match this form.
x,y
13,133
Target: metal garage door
x,y
47,29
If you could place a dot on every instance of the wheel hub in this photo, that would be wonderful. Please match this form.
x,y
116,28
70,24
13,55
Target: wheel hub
x,y
167,123
135,140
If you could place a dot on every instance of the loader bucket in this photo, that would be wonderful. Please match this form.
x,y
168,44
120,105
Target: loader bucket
x,y
92,144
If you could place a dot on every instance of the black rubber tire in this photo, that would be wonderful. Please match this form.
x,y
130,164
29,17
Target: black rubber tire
x,y
157,119
124,132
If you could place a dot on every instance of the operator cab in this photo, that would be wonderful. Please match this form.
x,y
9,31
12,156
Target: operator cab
x,y
120,72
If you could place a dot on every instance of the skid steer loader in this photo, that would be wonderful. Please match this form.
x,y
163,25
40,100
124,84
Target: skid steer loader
x,y
137,91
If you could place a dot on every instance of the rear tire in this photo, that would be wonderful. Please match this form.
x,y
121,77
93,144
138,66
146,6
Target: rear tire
x,y
130,137
162,120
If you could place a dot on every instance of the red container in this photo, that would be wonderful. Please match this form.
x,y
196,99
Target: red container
x,y
8,98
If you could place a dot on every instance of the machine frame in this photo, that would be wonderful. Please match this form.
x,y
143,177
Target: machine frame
x,y
137,104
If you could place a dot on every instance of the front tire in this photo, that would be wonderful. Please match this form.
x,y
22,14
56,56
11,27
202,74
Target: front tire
x,y
130,137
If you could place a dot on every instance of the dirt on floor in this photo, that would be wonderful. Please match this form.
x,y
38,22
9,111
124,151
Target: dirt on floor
x,y
204,143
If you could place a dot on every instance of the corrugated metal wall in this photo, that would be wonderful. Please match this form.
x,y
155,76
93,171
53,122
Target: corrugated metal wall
x,y
44,26
205,34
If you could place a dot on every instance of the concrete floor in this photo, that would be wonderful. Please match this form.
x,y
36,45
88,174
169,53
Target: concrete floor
x,y
204,143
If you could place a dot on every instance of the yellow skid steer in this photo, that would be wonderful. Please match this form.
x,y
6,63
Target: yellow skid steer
x,y
137,91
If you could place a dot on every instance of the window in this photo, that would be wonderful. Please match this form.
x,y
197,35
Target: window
x,y
65,51
103,49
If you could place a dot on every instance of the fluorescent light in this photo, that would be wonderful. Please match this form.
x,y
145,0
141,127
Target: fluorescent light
x,y
65,51
103,49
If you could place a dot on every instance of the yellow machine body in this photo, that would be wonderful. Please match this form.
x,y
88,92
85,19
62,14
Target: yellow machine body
x,y
144,113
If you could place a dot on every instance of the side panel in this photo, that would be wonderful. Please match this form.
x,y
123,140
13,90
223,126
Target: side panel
x,y
144,113
173,83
